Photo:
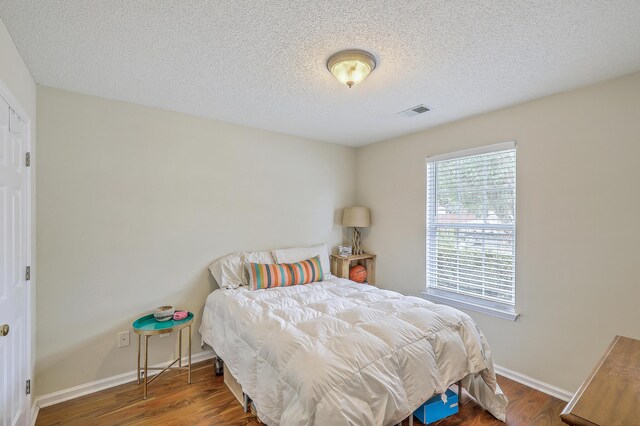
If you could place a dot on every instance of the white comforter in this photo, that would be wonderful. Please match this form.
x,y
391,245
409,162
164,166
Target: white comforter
x,y
339,353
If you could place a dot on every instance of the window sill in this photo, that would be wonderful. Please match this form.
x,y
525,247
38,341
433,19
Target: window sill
x,y
476,305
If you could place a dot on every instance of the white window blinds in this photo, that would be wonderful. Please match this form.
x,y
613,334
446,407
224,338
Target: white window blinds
x,y
471,218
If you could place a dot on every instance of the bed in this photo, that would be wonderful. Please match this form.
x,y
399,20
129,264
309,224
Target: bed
x,y
340,353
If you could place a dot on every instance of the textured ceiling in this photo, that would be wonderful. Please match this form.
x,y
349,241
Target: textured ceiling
x,y
262,63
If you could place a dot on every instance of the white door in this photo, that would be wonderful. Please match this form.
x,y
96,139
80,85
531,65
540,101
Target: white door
x,y
13,256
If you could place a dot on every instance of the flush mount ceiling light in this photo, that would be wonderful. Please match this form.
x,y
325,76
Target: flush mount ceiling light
x,y
351,66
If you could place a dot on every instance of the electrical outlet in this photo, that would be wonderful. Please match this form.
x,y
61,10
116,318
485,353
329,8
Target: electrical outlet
x,y
123,339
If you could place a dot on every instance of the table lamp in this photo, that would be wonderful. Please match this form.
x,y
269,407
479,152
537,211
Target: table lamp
x,y
356,217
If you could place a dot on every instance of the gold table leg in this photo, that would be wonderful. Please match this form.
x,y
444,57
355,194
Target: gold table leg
x,y
138,370
146,361
189,353
180,349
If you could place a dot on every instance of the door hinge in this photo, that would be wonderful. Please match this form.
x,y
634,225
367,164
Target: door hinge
x,y
27,160
27,273
28,387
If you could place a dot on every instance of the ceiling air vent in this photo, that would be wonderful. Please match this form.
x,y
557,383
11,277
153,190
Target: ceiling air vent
x,y
419,109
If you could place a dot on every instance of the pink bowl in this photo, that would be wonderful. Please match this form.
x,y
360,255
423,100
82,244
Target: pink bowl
x,y
180,315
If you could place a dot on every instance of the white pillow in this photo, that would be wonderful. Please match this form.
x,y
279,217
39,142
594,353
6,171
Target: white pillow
x,y
229,270
258,257
296,254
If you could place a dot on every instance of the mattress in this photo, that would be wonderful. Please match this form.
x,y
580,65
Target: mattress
x,y
341,353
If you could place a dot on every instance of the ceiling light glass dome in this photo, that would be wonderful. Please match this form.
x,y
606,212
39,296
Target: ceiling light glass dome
x,y
351,66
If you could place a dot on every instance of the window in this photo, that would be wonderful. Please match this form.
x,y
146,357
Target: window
x,y
471,228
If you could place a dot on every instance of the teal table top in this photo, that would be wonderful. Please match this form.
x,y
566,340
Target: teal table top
x,y
148,324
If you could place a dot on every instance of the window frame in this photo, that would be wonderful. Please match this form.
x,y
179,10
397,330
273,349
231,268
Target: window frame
x,y
451,298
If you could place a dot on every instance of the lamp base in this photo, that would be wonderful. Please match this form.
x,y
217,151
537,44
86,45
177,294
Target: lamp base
x,y
355,242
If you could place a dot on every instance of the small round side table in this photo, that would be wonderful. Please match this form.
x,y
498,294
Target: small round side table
x,y
148,326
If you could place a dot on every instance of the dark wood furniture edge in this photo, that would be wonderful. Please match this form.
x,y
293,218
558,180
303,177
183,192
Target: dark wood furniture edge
x,y
566,414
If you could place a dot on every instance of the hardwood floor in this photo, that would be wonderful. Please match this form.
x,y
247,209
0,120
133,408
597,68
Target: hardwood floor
x,y
207,401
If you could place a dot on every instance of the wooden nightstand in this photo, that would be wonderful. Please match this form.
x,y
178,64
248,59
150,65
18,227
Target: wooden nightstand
x,y
340,265
610,394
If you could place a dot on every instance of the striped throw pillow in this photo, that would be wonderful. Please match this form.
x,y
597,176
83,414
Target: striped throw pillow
x,y
267,275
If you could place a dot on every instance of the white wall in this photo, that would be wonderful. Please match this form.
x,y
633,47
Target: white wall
x,y
16,79
134,203
578,201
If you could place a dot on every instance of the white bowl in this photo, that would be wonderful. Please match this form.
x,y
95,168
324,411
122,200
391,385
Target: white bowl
x,y
164,313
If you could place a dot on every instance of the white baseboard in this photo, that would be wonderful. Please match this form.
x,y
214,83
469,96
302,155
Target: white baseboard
x,y
534,383
34,412
109,382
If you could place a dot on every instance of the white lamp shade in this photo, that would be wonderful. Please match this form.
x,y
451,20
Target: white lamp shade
x,y
357,217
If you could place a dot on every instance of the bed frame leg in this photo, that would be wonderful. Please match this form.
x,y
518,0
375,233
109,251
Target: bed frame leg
x,y
218,365
245,402
410,421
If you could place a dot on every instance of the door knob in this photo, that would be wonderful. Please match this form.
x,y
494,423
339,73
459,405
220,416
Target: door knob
x,y
4,330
